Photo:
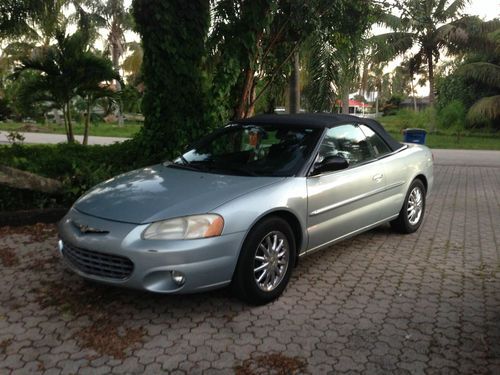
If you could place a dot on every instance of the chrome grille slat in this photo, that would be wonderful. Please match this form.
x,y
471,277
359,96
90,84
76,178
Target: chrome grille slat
x,y
97,263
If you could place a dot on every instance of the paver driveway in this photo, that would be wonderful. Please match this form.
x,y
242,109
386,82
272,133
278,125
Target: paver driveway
x,y
378,303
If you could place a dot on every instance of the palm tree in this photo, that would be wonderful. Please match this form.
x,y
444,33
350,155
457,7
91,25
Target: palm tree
x,y
379,82
431,25
133,62
118,20
65,70
483,66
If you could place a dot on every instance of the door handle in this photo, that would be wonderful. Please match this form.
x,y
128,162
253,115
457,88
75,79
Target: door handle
x,y
378,177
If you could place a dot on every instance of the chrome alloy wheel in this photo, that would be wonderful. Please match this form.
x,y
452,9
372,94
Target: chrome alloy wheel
x,y
415,205
271,261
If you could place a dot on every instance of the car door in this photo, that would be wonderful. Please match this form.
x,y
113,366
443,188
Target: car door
x,y
343,202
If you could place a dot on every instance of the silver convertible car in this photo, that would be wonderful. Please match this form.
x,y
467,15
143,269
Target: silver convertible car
x,y
243,204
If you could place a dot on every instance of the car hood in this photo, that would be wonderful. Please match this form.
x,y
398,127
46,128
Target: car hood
x,y
161,192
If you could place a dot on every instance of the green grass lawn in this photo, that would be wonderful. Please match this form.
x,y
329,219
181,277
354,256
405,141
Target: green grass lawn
x,y
99,129
469,142
442,138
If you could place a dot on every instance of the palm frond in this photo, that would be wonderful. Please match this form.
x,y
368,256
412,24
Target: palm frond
x,y
485,109
388,46
438,12
319,91
391,21
452,10
452,34
483,72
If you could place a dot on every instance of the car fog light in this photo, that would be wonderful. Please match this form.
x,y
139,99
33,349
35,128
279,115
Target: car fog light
x,y
178,278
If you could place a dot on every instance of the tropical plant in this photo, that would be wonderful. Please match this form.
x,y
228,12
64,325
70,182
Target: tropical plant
x,y
453,117
63,71
379,82
483,67
433,26
133,62
334,51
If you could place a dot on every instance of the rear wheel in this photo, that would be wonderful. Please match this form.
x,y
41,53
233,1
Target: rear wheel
x,y
265,263
412,213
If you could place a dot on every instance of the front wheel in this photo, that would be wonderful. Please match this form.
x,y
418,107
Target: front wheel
x,y
265,263
412,213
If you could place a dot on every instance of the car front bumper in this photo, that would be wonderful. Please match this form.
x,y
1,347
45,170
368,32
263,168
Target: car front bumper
x,y
120,257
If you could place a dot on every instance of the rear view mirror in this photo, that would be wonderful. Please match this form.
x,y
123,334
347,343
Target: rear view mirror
x,y
330,164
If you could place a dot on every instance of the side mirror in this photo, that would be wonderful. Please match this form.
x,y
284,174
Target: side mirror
x,y
330,164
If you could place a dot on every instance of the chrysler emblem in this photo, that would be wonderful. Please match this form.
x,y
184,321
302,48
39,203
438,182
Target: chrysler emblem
x,y
84,229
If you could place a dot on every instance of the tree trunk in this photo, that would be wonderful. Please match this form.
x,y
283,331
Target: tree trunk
x,y
116,52
71,136
295,84
413,93
65,120
345,102
241,110
16,178
251,106
364,80
87,122
430,65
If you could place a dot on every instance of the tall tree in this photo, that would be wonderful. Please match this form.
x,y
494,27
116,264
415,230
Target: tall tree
x,y
254,44
432,25
174,102
378,81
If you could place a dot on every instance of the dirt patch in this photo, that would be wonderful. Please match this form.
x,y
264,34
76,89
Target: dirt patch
x,y
275,364
109,338
4,344
37,232
77,298
8,257
106,335
41,264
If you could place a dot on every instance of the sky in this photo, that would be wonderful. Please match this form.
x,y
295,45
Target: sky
x,y
486,9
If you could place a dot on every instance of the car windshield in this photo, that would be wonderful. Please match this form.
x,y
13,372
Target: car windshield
x,y
252,150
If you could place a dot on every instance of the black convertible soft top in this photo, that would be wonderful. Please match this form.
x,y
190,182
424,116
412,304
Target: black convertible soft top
x,y
322,120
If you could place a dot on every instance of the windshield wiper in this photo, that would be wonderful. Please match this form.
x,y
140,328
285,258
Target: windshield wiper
x,y
181,166
184,160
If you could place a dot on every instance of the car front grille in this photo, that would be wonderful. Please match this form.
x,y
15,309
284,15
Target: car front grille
x,y
97,263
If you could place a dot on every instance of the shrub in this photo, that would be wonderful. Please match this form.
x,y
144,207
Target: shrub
x,y
77,167
452,116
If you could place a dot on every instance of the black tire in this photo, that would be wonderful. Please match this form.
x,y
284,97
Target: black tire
x,y
407,221
245,284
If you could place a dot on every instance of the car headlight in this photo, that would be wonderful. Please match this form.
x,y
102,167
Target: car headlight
x,y
185,228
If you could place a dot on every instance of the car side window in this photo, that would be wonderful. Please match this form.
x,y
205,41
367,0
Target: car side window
x,y
347,141
377,144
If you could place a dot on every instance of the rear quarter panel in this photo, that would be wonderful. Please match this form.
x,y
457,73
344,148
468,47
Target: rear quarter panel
x,y
403,167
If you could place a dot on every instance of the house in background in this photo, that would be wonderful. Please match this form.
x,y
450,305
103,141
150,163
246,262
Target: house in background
x,y
356,107
415,103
